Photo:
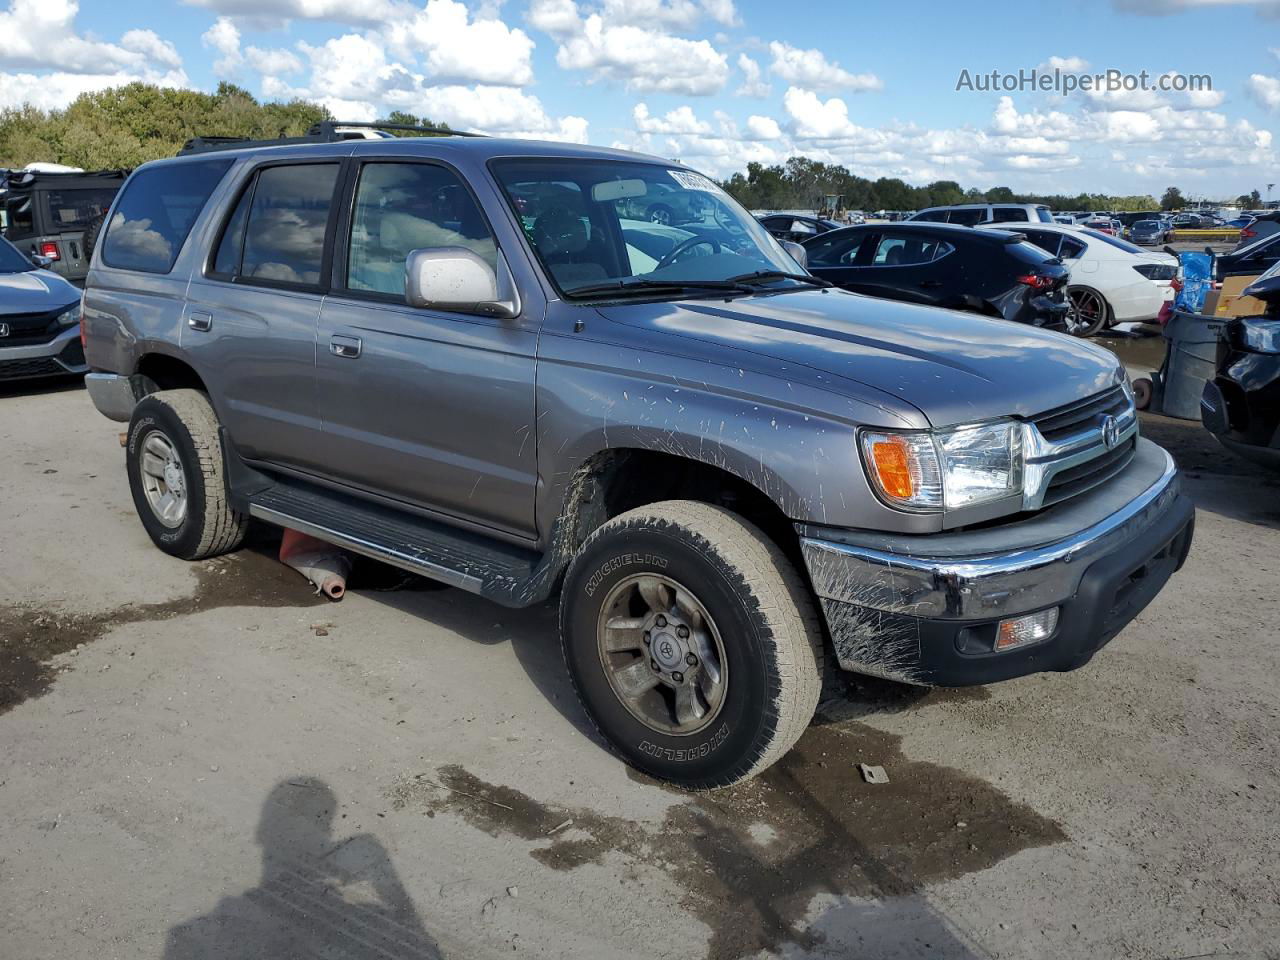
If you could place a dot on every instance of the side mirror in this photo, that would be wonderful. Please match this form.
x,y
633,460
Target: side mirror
x,y
798,253
460,281
44,263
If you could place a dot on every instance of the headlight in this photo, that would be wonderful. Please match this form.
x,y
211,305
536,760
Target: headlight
x,y
1260,336
70,316
945,470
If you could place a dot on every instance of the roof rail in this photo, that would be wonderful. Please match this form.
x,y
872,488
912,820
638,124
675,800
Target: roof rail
x,y
326,131
330,126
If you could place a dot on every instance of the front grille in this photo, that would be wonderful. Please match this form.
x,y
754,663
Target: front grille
x,y
1085,476
1061,422
26,329
32,367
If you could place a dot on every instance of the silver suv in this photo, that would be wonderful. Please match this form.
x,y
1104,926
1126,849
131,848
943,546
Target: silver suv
x,y
469,358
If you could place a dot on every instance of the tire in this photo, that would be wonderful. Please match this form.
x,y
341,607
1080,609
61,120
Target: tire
x,y
760,628
1099,315
184,506
91,234
661,214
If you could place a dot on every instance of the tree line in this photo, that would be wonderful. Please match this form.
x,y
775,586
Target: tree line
x,y
802,184
123,127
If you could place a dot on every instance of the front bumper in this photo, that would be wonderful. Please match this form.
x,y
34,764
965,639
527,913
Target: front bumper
x,y
924,609
62,356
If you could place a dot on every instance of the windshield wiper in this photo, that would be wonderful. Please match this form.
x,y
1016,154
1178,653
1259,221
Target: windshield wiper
x,y
763,276
648,285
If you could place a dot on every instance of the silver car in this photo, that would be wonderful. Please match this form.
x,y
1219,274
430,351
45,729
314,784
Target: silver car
x,y
39,320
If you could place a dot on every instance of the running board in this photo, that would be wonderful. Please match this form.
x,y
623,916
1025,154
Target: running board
x,y
506,574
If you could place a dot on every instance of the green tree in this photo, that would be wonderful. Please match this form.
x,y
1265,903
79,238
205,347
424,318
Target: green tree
x,y
1172,199
1255,200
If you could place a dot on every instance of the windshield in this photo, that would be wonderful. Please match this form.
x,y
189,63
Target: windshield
x,y
73,209
1044,214
1146,225
11,261
595,222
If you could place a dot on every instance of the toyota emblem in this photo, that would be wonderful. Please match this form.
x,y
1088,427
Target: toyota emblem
x,y
1110,431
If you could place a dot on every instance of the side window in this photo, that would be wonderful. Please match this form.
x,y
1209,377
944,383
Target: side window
x,y
835,251
940,249
1009,215
1044,239
1071,249
21,224
968,216
904,251
284,236
803,226
933,216
226,262
401,207
156,212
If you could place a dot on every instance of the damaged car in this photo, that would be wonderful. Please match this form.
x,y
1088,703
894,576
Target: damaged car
x,y
470,358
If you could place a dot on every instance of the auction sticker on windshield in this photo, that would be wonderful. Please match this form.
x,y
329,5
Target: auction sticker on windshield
x,y
694,181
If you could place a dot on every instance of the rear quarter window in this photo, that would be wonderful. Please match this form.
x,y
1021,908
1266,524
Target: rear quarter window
x,y
155,214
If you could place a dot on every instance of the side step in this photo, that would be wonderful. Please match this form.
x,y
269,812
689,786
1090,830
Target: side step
x,y
503,573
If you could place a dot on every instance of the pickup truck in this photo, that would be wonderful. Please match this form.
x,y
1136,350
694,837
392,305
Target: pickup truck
x,y
462,356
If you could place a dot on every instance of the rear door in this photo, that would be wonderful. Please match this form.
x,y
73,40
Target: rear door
x,y
426,406
250,326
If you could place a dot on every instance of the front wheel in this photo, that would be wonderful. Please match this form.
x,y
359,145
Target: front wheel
x,y
176,475
692,642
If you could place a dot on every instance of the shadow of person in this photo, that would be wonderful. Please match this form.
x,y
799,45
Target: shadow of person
x,y
319,897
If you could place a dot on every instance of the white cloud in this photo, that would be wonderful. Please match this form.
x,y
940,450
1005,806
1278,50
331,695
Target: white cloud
x,y
815,118
559,18
224,37
503,110
51,91
41,34
763,128
753,84
1065,64
336,11
811,69
681,120
642,59
454,46
1266,90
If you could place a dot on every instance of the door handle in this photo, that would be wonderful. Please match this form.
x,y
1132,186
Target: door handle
x,y
347,347
200,321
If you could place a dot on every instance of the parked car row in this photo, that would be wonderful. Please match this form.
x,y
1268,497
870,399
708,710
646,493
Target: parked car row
x,y
1047,274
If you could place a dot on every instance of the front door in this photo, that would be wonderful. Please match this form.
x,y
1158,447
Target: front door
x,y
424,406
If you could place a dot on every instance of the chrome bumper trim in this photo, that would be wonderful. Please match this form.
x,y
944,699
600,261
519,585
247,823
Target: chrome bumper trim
x,y
982,586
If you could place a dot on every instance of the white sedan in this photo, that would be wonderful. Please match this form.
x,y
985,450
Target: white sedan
x,y
1112,281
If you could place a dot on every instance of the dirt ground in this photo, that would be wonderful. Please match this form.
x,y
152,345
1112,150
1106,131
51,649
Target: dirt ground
x,y
203,760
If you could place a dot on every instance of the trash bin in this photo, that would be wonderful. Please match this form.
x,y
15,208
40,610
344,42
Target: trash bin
x,y
1191,357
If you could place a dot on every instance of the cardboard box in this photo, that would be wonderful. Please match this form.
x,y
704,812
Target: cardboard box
x,y
1232,303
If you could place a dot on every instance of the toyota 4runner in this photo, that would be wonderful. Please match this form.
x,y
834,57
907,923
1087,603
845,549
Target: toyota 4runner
x,y
469,358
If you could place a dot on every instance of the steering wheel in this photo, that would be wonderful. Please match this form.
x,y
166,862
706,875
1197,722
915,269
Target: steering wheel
x,y
684,245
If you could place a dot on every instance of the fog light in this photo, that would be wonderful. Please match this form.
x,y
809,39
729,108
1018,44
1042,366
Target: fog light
x,y
1026,629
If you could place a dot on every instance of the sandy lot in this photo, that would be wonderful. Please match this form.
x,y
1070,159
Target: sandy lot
x,y
202,760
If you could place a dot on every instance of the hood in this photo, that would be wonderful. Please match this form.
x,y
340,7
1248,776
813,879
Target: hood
x,y
954,367
34,291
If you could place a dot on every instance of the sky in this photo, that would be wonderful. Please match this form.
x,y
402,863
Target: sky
x,y
719,83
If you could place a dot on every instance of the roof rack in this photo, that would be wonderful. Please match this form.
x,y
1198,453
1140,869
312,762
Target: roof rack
x,y
25,179
326,131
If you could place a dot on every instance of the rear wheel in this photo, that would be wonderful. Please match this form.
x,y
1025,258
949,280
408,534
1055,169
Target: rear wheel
x,y
692,642
176,474
1089,311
